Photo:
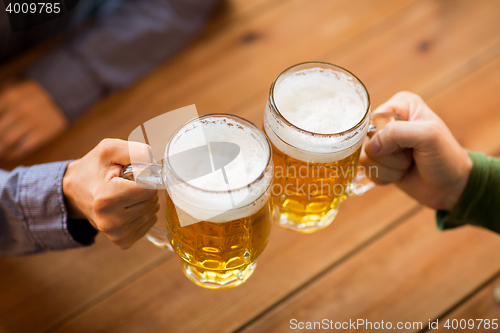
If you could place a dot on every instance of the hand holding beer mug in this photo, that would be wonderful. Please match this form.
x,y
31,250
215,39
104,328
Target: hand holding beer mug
x,y
218,172
317,118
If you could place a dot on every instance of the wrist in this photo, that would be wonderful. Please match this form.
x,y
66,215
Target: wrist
x,y
69,191
464,170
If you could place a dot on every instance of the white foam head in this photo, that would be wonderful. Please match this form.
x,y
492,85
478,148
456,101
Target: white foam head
x,y
228,191
324,105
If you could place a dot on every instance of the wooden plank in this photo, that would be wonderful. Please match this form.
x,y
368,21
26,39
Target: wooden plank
x,y
151,94
220,72
412,274
480,306
230,11
310,251
41,290
391,57
113,272
213,316
430,43
477,130
104,277
47,288
164,299
470,108
470,112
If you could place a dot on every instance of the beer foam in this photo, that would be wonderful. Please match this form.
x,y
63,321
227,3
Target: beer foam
x,y
229,192
319,101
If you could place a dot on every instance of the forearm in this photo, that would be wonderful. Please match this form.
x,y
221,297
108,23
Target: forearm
x,y
33,216
119,47
480,201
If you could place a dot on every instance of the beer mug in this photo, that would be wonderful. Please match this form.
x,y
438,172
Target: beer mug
x,y
218,171
317,117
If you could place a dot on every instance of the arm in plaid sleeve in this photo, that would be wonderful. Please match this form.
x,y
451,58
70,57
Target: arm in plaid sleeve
x,y
33,216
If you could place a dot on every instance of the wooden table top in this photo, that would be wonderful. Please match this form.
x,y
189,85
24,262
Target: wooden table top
x,y
381,259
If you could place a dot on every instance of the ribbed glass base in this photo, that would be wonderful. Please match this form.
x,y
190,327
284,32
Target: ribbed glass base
x,y
306,224
218,279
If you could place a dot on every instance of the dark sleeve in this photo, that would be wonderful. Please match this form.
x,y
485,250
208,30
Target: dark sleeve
x,y
82,231
479,203
117,49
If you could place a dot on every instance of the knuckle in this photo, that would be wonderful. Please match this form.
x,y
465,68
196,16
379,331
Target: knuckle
x,y
121,245
125,245
101,203
153,218
152,212
113,237
389,131
105,221
433,131
387,176
106,225
140,152
145,218
151,195
395,176
381,182
106,146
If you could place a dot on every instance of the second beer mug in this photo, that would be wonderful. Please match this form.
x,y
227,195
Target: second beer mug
x,y
218,172
316,118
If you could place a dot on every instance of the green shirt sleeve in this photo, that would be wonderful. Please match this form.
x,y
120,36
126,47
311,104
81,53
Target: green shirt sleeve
x,y
479,203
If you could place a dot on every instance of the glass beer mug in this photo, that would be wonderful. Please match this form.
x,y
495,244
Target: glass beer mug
x,y
317,117
218,171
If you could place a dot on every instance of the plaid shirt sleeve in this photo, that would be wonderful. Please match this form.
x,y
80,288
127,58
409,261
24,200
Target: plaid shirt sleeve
x,y
33,215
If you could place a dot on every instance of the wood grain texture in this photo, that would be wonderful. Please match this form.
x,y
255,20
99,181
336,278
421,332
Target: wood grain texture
x,y
454,105
427,43
413,273
480,306
39,291
446,50
471,110
290,260
222,71
390,58
230,12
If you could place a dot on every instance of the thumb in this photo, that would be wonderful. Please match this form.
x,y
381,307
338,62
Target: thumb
x,y
399,135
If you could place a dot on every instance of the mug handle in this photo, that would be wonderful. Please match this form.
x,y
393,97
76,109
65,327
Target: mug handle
x,y
361,183
149,174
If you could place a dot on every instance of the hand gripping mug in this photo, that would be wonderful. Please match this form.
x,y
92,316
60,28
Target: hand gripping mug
x,y
218,171
317,117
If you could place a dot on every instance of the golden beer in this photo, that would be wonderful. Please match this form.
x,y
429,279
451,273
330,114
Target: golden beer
x,y
315,149
219,252
219,226
311,195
